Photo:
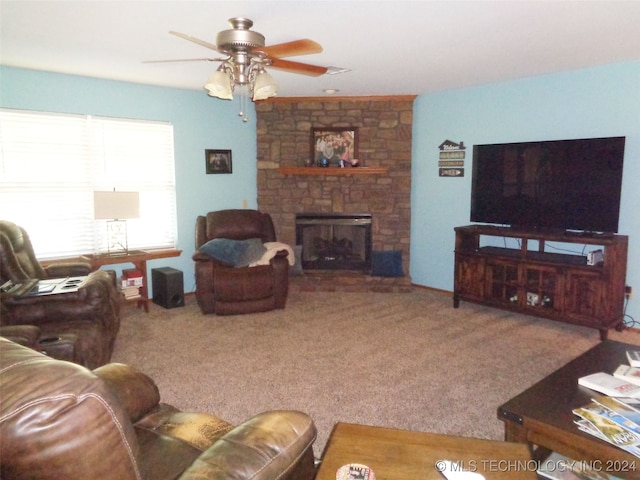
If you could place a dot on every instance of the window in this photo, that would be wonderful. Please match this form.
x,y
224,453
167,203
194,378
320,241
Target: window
x,y
50,165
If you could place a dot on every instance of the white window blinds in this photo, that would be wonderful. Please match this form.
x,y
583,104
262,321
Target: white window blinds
x,y
50,165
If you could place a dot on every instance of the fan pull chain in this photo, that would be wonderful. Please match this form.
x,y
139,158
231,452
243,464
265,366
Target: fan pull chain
x,y
242,96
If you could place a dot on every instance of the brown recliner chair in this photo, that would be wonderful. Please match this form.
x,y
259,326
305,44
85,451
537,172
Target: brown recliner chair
x,y
61,420
89,318
19,260
225,289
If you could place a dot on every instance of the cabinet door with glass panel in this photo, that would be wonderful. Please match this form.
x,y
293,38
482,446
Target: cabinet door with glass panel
x,y
502,282
542,287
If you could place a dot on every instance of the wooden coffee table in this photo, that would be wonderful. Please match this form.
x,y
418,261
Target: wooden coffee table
x,y
399,454
542,417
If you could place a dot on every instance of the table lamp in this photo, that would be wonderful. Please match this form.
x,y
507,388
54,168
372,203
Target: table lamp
x,y
116,208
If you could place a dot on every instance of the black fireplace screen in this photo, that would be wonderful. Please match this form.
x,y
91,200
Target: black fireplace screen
x,y
334,242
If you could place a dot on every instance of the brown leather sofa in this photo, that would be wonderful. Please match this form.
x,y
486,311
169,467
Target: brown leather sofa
x,y
61,420
228,290
60,347
88,318
27,335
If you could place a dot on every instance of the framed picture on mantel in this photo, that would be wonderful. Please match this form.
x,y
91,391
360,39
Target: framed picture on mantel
x,y
334,147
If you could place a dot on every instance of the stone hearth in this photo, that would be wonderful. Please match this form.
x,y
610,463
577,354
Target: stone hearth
x,y
384,126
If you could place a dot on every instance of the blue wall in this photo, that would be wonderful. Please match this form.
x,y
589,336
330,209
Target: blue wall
x,y
200,122
594,102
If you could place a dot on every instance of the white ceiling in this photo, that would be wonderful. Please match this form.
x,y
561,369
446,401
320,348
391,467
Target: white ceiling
x,y
390,47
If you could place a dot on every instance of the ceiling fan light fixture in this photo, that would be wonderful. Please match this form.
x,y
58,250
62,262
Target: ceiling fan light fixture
x,y
264,86
220,84
247,57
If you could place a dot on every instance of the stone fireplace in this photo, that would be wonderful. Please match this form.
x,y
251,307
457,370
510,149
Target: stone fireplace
x,y
380,188
335,241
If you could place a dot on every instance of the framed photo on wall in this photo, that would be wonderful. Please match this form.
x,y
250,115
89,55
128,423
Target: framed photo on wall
x,y
334,147
218,161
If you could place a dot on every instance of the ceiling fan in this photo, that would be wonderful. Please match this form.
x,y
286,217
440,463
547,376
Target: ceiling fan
x,y
246,59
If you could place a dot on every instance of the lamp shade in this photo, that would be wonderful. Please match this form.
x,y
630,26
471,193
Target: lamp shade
x,y
219,85
264,86
116,205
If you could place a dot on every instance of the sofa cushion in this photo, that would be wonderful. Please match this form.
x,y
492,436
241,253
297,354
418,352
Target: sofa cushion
x,y
234,253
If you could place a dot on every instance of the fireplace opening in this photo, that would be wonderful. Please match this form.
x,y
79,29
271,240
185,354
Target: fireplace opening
x,y
334,241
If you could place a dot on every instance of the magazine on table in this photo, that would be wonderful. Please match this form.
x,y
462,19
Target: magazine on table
x,y
596,419
631,402
628,373
609,385
634,357
626,407
596,408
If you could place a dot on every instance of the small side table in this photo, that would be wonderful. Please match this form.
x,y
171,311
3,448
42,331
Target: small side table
x,y
139,259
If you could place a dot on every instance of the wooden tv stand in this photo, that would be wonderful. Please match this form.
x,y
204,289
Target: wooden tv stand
x,y
533,280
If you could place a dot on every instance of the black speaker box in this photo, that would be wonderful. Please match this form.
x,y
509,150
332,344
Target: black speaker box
x,y
168,287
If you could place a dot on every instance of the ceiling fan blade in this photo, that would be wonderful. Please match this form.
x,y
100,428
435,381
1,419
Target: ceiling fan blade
x,y
297,67
187,60
292,49
195,40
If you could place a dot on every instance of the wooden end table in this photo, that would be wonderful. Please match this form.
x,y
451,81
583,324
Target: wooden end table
x,y
542,417
139,259
400,454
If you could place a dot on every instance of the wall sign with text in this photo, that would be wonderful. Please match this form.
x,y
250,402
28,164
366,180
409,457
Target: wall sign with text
x,y
451,160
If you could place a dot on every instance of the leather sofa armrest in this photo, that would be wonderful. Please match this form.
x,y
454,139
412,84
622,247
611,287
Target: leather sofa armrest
x,y
201,257
137,393
89,303
26,335
267,446
68,269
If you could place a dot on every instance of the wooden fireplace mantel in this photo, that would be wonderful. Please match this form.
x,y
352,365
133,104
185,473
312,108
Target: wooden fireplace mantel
x,y
333,171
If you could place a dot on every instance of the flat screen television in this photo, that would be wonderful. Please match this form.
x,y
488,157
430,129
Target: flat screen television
x,y
549,185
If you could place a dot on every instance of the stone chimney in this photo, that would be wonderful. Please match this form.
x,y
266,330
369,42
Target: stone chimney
x,y
380,185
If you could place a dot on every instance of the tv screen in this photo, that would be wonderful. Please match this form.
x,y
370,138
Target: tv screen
x,y
561,184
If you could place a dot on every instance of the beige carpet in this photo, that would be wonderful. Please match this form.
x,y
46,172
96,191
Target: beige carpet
x,y
406,360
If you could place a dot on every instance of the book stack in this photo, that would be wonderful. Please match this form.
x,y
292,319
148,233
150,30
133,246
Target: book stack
x,y
130,293
615,416
131,282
